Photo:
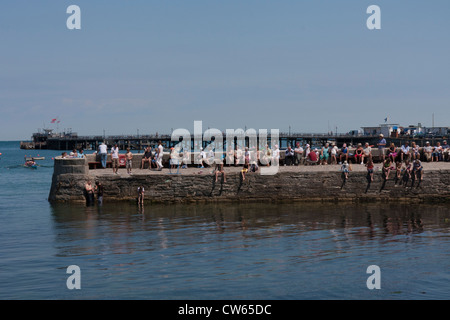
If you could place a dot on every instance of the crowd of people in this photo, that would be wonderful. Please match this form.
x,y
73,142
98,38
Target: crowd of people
x,y
251,158
305,154
74,154
401,163
361,154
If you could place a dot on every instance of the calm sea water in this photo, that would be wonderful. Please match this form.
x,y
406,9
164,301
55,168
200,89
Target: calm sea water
x,y
242,251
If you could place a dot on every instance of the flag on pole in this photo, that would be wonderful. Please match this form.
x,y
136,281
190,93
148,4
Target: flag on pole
x,y
385,119
53,120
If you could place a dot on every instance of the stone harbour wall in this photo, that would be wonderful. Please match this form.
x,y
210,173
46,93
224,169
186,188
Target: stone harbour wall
x,y
70,176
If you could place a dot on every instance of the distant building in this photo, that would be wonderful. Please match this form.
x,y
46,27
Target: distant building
x,y
386,129
438,131
395,130
413,130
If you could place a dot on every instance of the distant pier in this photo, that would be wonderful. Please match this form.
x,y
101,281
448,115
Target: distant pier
x,y
139,142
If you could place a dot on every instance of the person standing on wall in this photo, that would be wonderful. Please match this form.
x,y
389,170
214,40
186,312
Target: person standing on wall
x,y
381,147
115,158
103,152
160,156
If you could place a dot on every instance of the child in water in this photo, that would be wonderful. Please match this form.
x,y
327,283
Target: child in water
x,y
140,198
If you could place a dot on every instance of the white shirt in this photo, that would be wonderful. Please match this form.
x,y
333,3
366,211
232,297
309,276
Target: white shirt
x,y
276,154
334,150
115,153
160,153
367,150
103,148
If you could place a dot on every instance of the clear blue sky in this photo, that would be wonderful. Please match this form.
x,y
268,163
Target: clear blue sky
x,y
157,65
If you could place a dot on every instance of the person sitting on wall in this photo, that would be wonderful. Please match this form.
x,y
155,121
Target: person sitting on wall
x,y
266,156
276,156
312,158
324,154
154,159
186,159
230,156
405,153
437,153
333,153
367,152
343,154
445,151
289,157
81,154
254,160
370,168
415,151
147,157
244,170
392,151
74,153
387,168
345,168
417,170
219,170
298,152
201,159
428,151
359,154
210,156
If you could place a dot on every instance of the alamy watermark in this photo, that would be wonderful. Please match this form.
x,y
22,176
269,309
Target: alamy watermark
x,y
239,145
74,280
373,281
74,20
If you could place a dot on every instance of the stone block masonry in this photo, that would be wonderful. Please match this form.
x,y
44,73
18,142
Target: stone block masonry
x,y
303,183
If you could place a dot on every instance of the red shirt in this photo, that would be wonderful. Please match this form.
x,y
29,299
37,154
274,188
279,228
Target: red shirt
x,y
312,156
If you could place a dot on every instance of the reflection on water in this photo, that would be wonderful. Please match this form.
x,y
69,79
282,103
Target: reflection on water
x,y
256,251
228,251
